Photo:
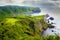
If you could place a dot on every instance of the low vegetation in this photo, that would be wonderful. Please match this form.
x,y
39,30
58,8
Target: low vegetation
x,y
22,27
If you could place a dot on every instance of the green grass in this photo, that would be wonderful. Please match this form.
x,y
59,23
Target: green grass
x,y
22,27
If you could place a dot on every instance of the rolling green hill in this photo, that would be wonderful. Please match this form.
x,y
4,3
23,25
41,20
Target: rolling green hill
x,y
13,11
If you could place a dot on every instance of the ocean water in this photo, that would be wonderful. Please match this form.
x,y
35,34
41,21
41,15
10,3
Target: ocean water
x,y
55,15
57,25
56,20
52,31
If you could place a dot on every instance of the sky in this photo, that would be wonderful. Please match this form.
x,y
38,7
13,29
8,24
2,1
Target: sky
x,y
11,2
51,7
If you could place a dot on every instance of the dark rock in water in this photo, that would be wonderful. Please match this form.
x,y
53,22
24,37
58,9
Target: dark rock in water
x,y
51,18
52,30
51,26
47,15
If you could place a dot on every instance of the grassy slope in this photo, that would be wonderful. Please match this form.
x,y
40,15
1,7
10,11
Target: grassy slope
x,y
19,28
13,11
22,27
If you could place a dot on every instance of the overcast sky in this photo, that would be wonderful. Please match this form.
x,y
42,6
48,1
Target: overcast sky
x,y
51,7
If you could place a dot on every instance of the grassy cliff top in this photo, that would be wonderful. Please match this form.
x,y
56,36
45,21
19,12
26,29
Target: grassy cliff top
x,y
21,27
